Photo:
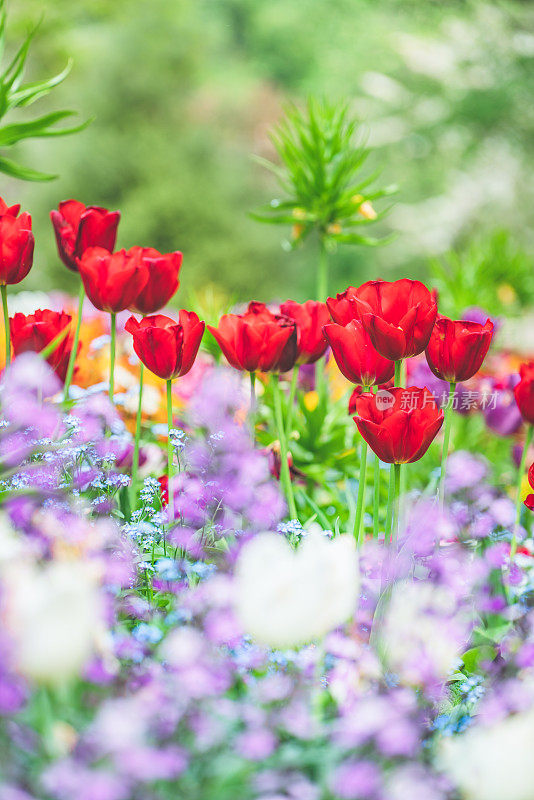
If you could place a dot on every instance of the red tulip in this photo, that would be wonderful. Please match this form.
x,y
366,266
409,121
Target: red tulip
x,y
163,481
355,355
529,500
78,228
166,347
359,390
34,332
457,348
524,392
112,280
257,339
310,318
398,316
343,307
162,281
399,424
16,244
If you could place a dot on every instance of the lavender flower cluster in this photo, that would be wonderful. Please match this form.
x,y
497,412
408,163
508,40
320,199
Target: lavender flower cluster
x,y
136,649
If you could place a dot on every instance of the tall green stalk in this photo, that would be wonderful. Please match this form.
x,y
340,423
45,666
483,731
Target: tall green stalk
x,y
252,392
389,513
520,474
285,475
74,351
112,356
170,454
396,505
135,463
376,498
446,438
398,372
291,401
361,492
3,290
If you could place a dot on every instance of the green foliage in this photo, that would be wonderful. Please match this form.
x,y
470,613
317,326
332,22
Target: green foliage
x,y
184,91
320,175
493,273
16,94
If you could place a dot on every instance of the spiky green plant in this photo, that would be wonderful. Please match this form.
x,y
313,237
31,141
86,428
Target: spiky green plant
x,y
16,94
322,152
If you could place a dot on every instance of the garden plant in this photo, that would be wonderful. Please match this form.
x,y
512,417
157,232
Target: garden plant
x,y
280,551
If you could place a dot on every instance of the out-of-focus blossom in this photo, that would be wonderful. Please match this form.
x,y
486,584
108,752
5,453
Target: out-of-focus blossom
x,y
524,392
286,597
422,633
54,616
489,763
78,227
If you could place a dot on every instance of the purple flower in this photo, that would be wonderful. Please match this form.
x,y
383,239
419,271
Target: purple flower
x,y
356,780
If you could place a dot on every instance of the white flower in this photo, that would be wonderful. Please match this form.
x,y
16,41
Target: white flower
x,y
495,762
54,616
422,632
287,597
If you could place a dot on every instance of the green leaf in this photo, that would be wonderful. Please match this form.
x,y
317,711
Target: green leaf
x,y
15,170
10,134
31,92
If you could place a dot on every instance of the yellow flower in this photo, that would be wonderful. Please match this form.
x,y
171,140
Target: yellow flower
x,y
311,400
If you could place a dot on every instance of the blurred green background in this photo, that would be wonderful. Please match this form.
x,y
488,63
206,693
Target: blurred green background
x,y
184,91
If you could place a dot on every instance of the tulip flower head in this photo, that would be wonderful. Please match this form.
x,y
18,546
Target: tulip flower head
x,y
529,499
16,244
113,281
399,424
398,316
310,318
166,347
163,270
355,356
524,392
34,332
457,348
78,227
257,339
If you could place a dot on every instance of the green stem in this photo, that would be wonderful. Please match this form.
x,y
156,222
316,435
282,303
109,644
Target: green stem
x,y
112,356
361,493
170,458
291,402
252,392
376,498
74,351
135,463
396,505
389,514
3,290
285,475
528,440
446,438
398,372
